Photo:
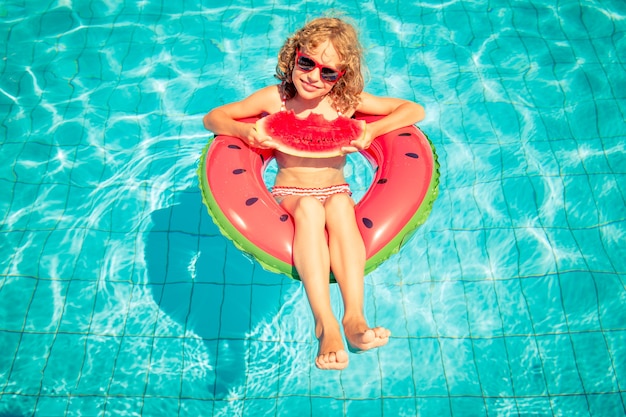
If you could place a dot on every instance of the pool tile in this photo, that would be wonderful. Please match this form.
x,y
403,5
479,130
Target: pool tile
x,y
164,377
544,302
559,364
235,311
611,294
159,406
199,371
231,378
206,299
46,306
29,363
594,362
143,299
420,321
369,407
17,292
562,405
449,309
174,304
527,366
20,218
492,362
16,404
51,406
98,364
123,405
108,319
600,404
580,301
468,407
429,375
462,377
537,256
63,369
400,406
259,407
199,407
486,320
434,406
443,259
286,405
130,375
10,342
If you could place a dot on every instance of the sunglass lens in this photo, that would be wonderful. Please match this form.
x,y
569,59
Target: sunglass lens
x,y
305,63
329,75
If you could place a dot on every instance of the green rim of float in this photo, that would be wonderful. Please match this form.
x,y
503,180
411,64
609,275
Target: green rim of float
x,y
247,192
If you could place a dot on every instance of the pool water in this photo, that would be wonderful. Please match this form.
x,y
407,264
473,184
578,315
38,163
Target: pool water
x,y
119,296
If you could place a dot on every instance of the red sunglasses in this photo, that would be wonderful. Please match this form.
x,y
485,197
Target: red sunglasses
x,y
308,64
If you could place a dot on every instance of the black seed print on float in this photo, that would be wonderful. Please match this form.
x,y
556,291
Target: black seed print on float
x,y
409,154
251,201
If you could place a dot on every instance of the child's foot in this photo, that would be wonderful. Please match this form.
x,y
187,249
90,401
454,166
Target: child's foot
x,y
332,354
361,337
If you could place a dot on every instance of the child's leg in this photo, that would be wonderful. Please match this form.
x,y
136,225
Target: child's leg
x,y
311,258
347,260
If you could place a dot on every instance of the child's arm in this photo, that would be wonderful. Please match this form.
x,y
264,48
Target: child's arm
x,y
223,120
398,113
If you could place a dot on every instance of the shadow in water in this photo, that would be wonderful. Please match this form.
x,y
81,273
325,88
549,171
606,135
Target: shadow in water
x,y
199,279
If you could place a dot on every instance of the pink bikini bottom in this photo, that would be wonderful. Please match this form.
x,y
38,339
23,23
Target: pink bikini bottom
x,y
280,192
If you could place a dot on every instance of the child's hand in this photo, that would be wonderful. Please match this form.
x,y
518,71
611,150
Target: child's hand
x,y
360,144
257,141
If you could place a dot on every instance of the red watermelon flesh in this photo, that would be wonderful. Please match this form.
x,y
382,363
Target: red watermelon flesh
x,y
311,137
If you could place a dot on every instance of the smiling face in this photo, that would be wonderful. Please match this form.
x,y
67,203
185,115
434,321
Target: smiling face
x,y
310,85
338,44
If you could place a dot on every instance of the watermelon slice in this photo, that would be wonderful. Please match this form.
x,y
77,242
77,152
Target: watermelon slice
x,y
312,137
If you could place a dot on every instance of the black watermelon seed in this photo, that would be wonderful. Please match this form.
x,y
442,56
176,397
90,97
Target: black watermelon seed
x,y
234,147
284,217
382,181
251,201
239,171
412,155
405,134
368,223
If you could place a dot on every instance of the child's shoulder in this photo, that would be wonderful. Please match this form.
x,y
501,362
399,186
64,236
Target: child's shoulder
x,y
264,100
269,92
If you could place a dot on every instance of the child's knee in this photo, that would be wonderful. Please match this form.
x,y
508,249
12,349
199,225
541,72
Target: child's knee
x,y
338,202
309,207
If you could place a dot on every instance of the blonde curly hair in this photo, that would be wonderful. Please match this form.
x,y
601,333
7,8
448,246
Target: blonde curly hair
x,y
345,93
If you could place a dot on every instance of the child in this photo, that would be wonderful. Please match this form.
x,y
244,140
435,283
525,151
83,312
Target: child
x,y
320,72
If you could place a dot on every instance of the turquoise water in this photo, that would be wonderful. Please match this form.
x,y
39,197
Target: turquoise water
x,y
118,295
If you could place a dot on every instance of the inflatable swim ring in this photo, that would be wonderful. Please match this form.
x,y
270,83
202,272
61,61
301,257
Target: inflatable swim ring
x,y
405,185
